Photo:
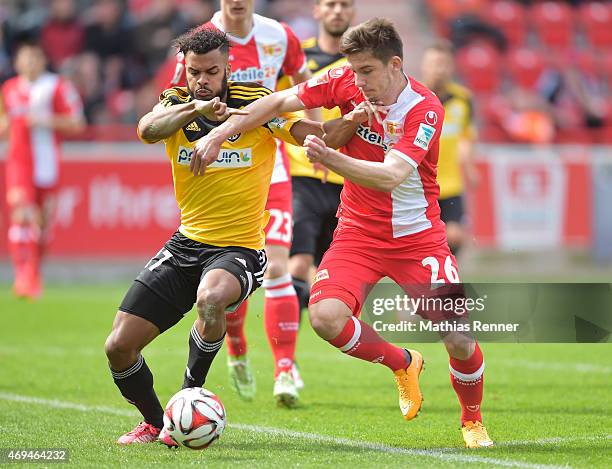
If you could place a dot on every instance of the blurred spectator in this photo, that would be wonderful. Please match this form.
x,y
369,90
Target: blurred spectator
x,y
576,95
470,27
108,35
297,14
155,34
86,75
525,116
62,36
5,46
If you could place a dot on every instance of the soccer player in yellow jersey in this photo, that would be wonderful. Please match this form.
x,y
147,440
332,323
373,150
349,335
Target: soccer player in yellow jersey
x,y
216,258
455,164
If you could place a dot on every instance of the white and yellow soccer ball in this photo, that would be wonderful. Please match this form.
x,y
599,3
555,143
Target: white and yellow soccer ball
x,y
195,418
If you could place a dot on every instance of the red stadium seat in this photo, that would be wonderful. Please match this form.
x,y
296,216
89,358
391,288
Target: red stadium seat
x,y
510,17
596,19
444,11
478,64
553,23
525,67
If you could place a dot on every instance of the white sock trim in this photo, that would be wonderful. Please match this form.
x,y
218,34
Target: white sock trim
x,y
275,282
135,368
356,334
280,292
467,377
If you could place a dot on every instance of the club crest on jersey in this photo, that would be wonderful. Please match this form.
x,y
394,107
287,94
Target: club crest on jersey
x,y
272,49
424,136
227,159
431,118
394,129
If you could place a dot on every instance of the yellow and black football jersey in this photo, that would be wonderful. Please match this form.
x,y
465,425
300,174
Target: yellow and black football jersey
x,y
319,63
226,206
458,125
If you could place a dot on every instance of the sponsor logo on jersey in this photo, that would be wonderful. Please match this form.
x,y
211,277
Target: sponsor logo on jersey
x,y
184,156
336,72
321,275
424,136
193,127
239,158
255,74
431,118
278,122
368,135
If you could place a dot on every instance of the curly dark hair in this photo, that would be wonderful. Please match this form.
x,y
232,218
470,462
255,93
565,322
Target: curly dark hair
x,y
202,40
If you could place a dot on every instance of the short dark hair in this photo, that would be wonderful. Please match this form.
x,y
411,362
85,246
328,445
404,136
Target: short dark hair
x,y
377,36
202,40
442,45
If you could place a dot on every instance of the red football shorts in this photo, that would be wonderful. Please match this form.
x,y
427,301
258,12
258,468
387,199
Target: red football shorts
x,y
279,229
20,188
355,262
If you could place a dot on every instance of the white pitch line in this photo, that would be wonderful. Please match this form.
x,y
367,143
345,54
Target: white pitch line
x,y
443,455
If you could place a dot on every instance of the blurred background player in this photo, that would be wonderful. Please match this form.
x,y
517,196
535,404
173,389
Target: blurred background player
x,y
35,106
316,194
262,48
455,164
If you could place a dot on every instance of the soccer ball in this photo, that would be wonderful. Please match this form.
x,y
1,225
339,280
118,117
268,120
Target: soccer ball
x,y
195,418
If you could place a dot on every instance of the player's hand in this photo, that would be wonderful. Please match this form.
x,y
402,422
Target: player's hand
x,y
205,152
316,150
366,111
217,110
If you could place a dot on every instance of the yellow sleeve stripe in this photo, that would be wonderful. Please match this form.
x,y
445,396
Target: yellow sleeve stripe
x,y
181,94
247,96
247,89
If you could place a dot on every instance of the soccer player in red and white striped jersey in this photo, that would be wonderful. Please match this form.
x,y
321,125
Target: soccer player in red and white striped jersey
x,y
35,107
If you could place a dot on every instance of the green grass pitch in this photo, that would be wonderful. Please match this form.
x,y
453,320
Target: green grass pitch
x,y
545,405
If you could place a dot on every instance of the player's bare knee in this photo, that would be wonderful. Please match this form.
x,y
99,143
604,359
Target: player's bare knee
x,y
276,269
299,266
325,321
120,351
211,304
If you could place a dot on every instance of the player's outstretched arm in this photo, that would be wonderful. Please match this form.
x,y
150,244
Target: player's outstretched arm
x,y
384,176
259,112
163,121
335,133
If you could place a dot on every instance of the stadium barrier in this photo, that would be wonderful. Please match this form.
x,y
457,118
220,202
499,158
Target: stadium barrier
x,y
116,200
